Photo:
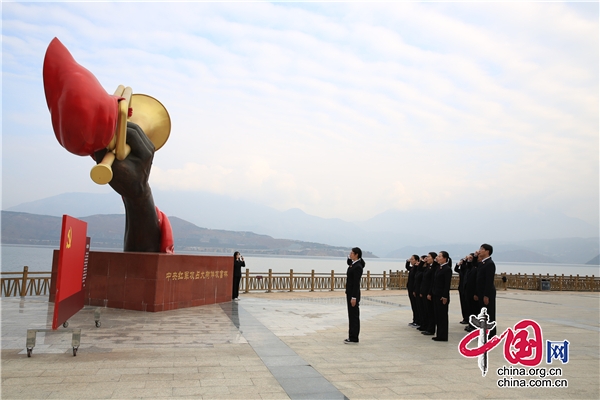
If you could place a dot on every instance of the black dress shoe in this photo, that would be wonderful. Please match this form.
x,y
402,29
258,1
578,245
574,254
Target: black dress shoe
x,y
427,333
469,328
437,339
348,341
464,322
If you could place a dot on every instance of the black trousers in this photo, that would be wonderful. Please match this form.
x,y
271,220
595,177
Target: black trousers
x,y
464,304
413,306
235,292
441,317
474,307
491,311
420,311
428,318
353,319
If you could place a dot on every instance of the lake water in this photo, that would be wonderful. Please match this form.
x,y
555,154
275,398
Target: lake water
x,y
14,257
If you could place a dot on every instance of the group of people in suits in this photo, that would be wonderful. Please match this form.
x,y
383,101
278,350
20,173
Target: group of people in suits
x,y
428,286
429,278
476,285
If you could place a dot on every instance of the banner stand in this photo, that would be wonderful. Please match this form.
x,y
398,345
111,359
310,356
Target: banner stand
x,y
70,284
31,336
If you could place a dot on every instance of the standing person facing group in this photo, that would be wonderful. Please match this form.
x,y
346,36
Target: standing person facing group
x,y
353,277
238,263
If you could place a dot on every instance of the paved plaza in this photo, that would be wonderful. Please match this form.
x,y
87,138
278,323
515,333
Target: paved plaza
x,y
288,346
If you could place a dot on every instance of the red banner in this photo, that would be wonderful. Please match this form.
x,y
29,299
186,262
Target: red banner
x,y
70,275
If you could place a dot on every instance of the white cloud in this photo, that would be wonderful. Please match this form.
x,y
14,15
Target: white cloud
x,y
415,105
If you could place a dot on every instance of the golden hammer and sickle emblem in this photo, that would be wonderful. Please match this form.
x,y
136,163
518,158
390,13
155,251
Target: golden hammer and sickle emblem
x,y
69,238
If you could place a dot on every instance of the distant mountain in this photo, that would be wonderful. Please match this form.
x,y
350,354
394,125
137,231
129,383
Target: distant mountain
x,y
388,234
106,231
473,226
564,251
75,204
594,261
503,253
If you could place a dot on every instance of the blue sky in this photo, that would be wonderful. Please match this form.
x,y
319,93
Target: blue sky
x,y
340,109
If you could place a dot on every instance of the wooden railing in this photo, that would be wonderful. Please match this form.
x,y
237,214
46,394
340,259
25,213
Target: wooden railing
x,y
38,283
557,282
276,281
25,283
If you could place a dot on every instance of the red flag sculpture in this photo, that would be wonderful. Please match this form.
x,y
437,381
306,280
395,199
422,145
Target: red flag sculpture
x,y
84,115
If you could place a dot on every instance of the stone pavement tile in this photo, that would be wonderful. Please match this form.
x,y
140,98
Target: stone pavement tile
x,y
302,386
246,361
238,368
256,368
274,396
267,383
173,370
199,375
332,395
116,385
33,380
371,393
248,374
135,393
57,370
70,379
232,396
209,362
150,363
142,377
52,387
81,394
19,373
263,389
297,372
122,371
416,389
277,361
227,382
200,391
171,383
353,377
29,394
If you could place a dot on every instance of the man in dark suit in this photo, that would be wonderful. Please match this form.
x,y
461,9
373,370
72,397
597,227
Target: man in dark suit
x,y
471,290
462,268
411,266
441,295
353,278
485,288
416,293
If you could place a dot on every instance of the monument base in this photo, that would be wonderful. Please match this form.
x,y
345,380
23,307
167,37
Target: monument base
x,y
153,281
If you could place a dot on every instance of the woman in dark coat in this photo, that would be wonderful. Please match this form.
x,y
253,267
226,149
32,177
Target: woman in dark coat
x,y
428,325
238,263
441,295
412,264
353,278
416,293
